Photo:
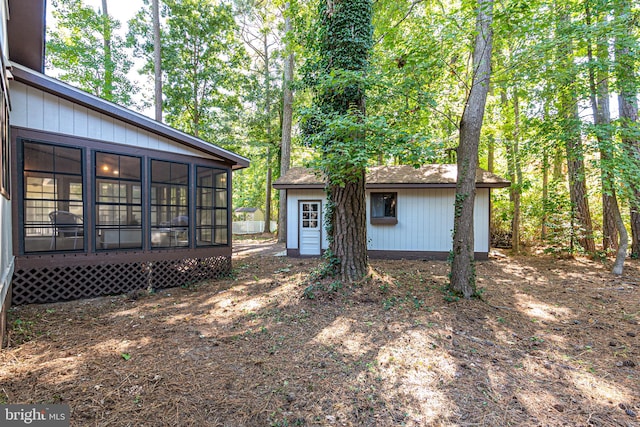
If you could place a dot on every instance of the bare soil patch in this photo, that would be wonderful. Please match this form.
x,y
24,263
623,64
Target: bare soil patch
x,y
554,342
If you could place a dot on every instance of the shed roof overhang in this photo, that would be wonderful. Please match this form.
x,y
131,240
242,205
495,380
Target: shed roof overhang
x,y
56,87
393,177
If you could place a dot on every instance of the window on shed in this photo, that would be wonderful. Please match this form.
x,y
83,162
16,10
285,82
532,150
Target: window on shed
x,y
118,201
383,208
211,207
53,198
169,204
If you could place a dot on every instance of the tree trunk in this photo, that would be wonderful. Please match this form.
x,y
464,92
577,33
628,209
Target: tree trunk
x,y
570,121
545,195
614,232
346,45
463,280
348,243
157,60
267,208
599,97
287,120
491,148
515,172
108,60
267,112
578,193
628,107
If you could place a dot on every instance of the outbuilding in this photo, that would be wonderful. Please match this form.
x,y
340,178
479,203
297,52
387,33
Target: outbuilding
x,y
409,211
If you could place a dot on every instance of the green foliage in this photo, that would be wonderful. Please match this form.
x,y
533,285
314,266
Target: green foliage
x,y
200,58
77,52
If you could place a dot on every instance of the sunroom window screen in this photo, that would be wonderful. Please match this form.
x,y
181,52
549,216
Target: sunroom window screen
x,y
169,204
211,207
53,198
118,201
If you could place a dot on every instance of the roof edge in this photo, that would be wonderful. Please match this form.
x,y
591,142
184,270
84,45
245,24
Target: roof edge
x,y
57,87
383,186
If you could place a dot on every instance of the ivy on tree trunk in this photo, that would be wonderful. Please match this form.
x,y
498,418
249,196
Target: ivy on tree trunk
x,y
344,38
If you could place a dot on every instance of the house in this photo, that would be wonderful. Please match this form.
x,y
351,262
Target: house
x,y
102,200
409,211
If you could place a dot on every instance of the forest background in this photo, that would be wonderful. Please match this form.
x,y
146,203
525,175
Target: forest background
x,y
561,119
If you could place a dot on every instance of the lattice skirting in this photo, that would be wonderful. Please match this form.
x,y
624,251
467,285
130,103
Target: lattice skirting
x,y
65,283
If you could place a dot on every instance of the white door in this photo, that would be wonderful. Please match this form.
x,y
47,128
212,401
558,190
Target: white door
x,y
310,227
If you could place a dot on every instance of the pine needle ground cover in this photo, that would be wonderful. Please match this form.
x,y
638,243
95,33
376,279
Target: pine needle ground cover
x,y
553,342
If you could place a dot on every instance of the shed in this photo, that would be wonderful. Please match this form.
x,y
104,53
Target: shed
x,y
409,211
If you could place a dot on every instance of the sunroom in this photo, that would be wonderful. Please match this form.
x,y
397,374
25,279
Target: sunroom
x,y
108,201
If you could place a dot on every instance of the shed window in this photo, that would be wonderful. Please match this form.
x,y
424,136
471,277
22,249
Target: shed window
x,y
118,201
53,198
383,208
169,204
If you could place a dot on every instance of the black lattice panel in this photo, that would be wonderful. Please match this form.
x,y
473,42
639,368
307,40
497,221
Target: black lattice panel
x,y
53,284
187,271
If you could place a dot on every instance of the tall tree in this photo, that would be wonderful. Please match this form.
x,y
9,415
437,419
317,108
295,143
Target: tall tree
x,y
260,33
287,121
626,52
343,48
157,59
613,230
462,265
84,50
570,124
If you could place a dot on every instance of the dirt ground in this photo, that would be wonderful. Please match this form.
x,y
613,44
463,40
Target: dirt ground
x,y
554,342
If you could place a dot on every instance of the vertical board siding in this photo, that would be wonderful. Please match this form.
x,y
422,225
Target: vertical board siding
x,y
51,113
107,129
18,103
425,222
38,110
35,108
80,121
65,117
94,125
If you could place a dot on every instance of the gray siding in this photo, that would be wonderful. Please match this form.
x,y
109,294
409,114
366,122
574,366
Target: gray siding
x,y
38,110
425,222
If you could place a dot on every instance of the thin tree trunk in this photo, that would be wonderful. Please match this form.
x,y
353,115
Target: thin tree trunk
x,y
267,210
108,60
491,148
157,60
287,120
573,144
463,280
515,173
628,107
545,195
267,111
614,232
518,173
599,97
